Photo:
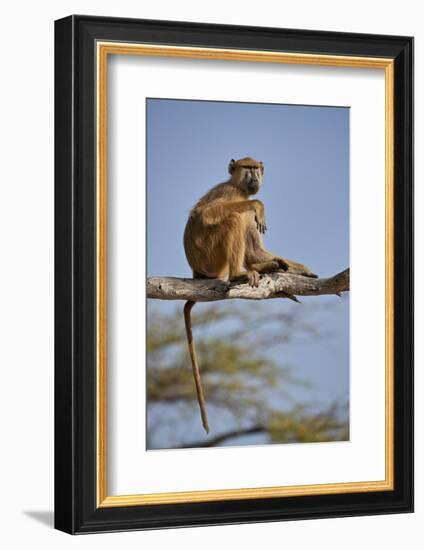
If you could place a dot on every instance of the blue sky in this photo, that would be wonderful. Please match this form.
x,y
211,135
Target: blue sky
x,y
305,150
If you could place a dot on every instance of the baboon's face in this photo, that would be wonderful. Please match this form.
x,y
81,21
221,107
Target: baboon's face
x,y
247,173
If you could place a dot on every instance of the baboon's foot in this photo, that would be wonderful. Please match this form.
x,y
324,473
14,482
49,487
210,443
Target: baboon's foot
x,y
266,267
251,276
300,269
281,263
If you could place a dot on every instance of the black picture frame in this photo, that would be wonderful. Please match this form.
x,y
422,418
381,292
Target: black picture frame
x,y
76,508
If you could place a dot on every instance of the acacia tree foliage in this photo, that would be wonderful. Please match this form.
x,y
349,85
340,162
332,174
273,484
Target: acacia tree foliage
x,y
248,391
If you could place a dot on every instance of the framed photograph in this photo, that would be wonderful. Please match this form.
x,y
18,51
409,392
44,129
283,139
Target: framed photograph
x,y
234,274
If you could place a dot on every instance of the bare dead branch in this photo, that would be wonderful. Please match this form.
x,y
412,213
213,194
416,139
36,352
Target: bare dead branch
x,y
279,284
213,442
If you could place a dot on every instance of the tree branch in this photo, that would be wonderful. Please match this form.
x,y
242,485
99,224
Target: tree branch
x,y
279,284
212,442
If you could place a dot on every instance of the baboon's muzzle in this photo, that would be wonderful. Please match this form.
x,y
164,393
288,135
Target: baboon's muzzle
x,y
253,186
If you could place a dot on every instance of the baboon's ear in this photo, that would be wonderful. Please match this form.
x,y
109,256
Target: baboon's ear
x,y
231,166
262,166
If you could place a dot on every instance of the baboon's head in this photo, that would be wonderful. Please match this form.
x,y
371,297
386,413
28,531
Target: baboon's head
x,y
247,173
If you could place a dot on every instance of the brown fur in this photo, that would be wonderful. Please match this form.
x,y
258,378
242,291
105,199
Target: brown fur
x,y
222,239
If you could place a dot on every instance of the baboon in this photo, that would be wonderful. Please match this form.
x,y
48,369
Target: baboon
x,y
223,239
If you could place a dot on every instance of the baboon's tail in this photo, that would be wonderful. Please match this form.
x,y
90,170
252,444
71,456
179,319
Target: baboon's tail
x,y
196,373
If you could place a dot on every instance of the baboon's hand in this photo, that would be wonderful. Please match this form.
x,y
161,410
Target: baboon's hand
x,y
260,216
